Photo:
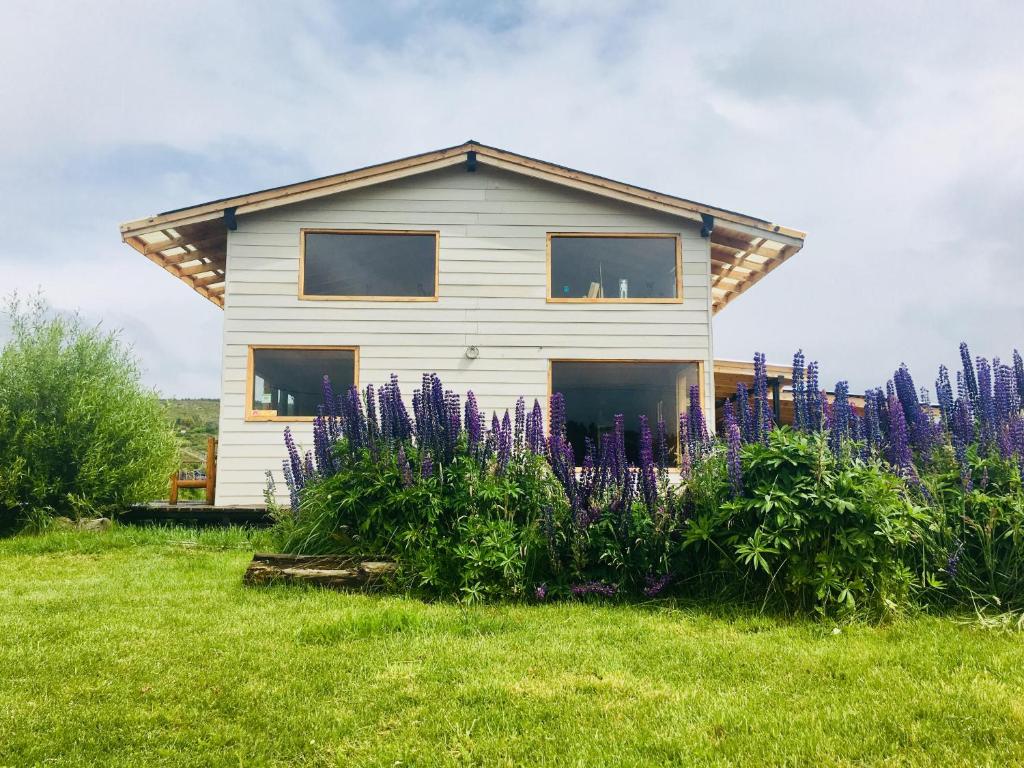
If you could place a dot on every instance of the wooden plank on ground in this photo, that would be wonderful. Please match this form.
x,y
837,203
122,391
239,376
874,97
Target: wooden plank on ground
x,y
333,572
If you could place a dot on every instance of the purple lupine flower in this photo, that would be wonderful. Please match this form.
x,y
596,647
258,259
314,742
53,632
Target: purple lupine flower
x,y
944,394
873,420
661,449
1018,375
648,473
403,467
504,443
906,393
387,422
308,467
619,443
293,488
986,405
813,398
540,592
899,453
697,439
353,422
970,380
372,425
685,467
799,389
744,418
330,403
322,444
655,585
520,424
763,416
856,424
403,424
294,460
426,466
535,429
1004,393
557,415
587,485
839,425
474,424
452,423
594,588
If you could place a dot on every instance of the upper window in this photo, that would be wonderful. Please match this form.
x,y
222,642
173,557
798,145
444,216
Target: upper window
x,y
614,268
393,265
595,392
286,383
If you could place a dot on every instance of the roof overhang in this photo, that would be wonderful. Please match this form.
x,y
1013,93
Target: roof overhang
x,y
191,243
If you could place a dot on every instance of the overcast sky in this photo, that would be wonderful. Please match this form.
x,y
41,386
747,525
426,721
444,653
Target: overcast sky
x,y
890,132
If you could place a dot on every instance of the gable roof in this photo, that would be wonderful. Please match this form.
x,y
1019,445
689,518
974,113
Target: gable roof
x,y
191,243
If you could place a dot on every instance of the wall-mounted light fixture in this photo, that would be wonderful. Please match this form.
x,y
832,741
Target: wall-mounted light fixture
x,y
472,353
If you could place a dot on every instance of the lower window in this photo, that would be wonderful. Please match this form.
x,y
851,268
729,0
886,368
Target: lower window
x,y
596,391
286,383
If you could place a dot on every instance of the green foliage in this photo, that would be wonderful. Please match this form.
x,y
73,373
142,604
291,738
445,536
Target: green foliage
x,y
194,420
465,530
976,539
810,530
78,433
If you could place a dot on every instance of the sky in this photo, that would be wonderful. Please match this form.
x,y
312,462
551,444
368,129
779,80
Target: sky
x,y
889,132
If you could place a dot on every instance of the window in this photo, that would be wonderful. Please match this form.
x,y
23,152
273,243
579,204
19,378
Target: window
x,y
614,268
596,391
285,383
390,266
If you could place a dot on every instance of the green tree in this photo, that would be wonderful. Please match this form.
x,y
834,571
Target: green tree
x,y
79,434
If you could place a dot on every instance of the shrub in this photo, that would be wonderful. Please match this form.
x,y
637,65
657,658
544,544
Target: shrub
x,y
859,507
458,507
810,529
78,433
977,540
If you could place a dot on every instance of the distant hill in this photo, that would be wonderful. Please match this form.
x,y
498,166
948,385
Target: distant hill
x,y
194,419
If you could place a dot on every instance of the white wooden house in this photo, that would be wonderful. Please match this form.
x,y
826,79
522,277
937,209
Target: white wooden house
x,y
504,274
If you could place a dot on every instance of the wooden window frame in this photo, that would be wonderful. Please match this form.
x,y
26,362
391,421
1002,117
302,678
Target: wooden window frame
x,y
627,361
254,415
678,299
303,296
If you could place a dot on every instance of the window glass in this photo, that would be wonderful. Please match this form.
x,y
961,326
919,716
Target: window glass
x,y
369,264
613,268
595,392
288,382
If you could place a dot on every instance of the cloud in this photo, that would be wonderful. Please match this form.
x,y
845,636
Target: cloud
x,y
889,133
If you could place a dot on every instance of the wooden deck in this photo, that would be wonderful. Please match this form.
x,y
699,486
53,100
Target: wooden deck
x,y
196,512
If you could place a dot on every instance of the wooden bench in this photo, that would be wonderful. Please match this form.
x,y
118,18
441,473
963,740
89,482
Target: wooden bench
x,y
209,482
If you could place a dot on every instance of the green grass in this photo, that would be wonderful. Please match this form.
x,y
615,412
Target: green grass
x,y
140,647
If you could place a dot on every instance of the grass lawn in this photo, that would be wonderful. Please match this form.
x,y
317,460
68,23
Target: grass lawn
x,y
140,647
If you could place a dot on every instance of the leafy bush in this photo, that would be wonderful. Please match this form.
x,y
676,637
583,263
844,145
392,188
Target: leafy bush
x,y
857,507
977,538
811,529
78,433
458,508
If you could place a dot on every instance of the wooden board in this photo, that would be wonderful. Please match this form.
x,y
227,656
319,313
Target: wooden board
x,y
332,572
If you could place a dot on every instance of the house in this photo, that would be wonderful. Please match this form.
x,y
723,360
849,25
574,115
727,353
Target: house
x,y
504,274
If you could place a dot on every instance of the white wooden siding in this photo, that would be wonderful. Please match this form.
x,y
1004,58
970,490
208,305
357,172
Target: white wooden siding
x,y
492,292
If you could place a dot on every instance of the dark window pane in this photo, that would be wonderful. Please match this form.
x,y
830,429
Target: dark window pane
x,y
596,392
288,382
338,264
613,267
